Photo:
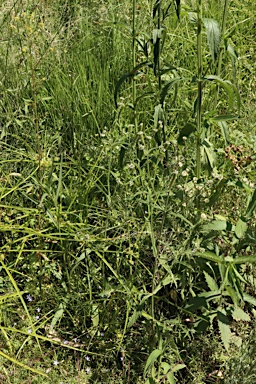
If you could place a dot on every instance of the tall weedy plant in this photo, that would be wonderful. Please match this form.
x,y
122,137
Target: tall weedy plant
x,y
199,89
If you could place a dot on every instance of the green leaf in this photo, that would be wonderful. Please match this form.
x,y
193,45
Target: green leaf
x,y
127,76
240,314
224,328
244,259
208,149
224,117
249,299
186,131
122,152
233,294
195,303
251,205
136,314
224,130
241,228
95,315
119,84
217,225
167,87
18,362
213,36
178,367
166,367
228,87
58,315
143,96
167,280
210,256
210,282
152,358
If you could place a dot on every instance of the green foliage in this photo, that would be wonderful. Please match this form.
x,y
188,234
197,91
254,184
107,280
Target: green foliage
x,y
127,192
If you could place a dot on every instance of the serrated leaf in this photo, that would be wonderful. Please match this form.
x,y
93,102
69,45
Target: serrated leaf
x,y
211,282
224,329
213,36
241,228
249,299
152,359
240,314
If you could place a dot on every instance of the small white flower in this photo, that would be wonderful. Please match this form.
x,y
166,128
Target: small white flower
x,y
55,362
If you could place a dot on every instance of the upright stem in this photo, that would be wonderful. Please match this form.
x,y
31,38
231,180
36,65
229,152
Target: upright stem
x,y
134,61
199,89
159,46
39,154
223,30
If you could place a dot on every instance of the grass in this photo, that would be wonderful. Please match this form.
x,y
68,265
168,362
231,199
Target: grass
x,y
127,192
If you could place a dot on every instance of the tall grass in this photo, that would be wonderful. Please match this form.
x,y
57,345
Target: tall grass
x,y
120,258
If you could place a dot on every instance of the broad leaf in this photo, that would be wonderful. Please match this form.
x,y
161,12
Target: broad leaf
x,y
224,328
241,228
213,36
186,131
240,314
228,87
152,359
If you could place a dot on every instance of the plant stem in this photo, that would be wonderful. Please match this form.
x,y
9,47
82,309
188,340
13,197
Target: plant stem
x,y
219,64
134,62
39,155
199,89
